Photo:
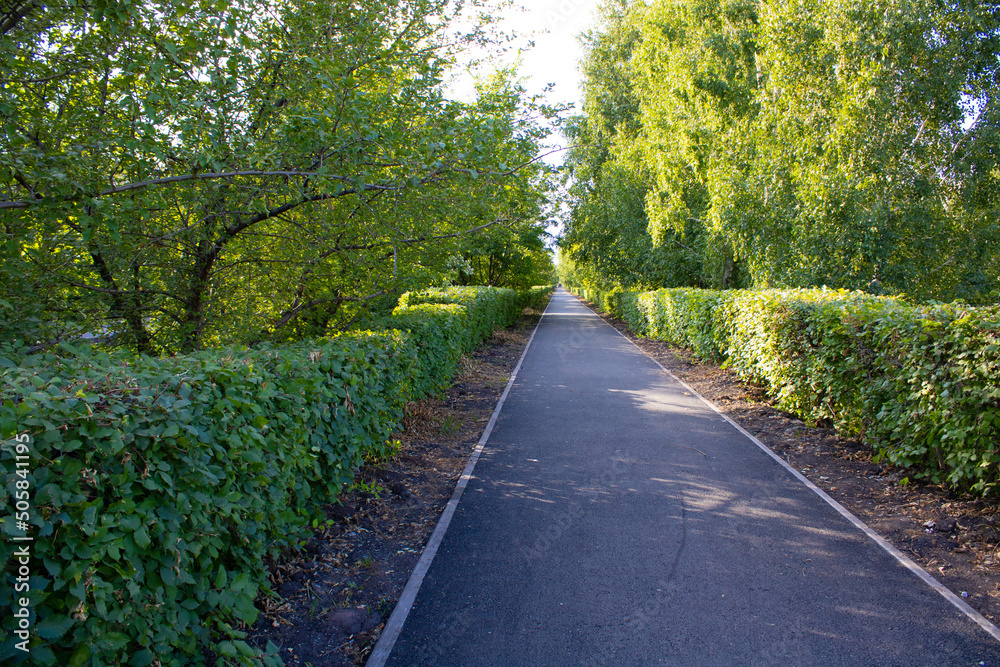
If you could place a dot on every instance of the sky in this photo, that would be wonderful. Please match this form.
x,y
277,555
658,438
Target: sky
x,y
554,26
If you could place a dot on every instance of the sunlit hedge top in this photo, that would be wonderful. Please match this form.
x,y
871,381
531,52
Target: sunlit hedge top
x,y
160,485
920,383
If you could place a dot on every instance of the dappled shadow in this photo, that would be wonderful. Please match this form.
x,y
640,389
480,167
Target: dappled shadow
x,y
747,559
616,518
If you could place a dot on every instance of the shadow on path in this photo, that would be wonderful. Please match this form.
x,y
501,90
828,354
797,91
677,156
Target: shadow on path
x,y
614,519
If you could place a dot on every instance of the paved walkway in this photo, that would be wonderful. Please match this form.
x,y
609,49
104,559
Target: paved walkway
x,y
615,519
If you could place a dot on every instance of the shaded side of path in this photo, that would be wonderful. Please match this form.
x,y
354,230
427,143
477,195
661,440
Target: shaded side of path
x,y
616,519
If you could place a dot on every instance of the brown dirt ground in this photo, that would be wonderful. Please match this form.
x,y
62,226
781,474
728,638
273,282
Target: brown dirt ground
x,y
333,597
954,537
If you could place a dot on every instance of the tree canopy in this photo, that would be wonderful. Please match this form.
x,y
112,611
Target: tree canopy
x,y
771,143
184,174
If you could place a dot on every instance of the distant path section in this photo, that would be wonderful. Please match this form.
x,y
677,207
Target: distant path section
x,y
615,519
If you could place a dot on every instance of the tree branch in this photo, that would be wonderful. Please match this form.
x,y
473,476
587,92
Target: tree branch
x,y
298,308
511,172
421,239
16,14
140,185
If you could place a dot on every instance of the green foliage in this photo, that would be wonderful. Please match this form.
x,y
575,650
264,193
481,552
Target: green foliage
x,y
944,409
695,75
194,174
483,309
775,144
868,147
161,484
512,254
681,315
606,236
537,296
504,257
919,383
438,333
443,323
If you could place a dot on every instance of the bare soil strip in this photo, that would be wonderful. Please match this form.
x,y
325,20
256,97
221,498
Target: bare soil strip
x,y
336,594
954,537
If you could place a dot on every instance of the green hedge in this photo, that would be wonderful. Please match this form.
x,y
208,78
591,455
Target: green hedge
x,y
921,384
437,333
452,320
536,296
160,485
486,308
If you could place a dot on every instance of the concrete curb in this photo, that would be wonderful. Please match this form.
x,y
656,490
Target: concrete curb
x,y
900,557
394,626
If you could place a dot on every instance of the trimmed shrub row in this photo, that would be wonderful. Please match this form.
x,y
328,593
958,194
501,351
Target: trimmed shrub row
x,y
920,384
535,296
482,309
447,322
159,486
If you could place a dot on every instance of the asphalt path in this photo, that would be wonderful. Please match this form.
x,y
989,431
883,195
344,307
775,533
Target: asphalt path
x,y
615,519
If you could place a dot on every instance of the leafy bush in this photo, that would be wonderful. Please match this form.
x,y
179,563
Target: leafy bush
x,y
486,308
682,315
161,485
944,412
921,384
437,334
596,297
535,296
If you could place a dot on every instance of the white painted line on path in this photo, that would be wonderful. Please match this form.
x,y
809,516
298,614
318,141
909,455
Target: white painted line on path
x,y
903,560
394,626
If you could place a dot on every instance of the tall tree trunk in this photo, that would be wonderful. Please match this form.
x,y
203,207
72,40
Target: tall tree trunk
x,y
130,309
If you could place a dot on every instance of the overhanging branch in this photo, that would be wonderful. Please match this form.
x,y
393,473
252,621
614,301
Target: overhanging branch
x,y
141,185
256,173
15,14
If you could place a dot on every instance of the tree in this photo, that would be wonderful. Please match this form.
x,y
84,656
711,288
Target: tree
x,y
696,75
515,254
798,144
607,231
864,128
193,174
